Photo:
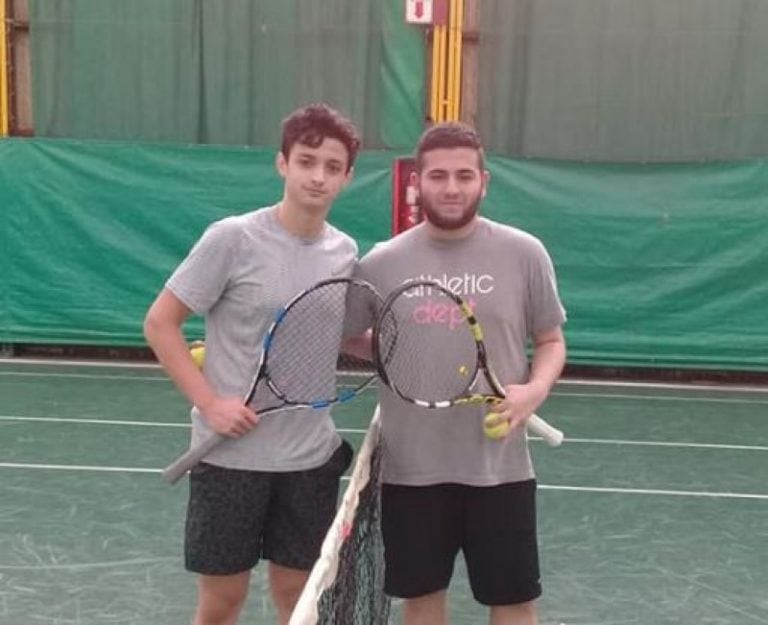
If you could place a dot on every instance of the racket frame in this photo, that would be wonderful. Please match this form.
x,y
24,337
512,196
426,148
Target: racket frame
x,y
193,456
551,435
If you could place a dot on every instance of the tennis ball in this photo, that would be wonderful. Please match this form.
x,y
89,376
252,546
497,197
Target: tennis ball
x,y
495,427
197,351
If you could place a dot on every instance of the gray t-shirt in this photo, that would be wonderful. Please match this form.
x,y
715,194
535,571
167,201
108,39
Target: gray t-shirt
x,y
507,277
238,275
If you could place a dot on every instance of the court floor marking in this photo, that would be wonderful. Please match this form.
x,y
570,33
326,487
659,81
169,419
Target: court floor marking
x,y
694,387
88,376
152,424
76,467
619,441
557,487
711,400
359,431
554,393
71,566
106,364
654,491
124,364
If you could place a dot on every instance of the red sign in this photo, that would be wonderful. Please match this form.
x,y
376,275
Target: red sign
x,y
418,11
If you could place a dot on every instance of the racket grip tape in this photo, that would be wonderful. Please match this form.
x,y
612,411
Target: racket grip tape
x,y
186,461
551,435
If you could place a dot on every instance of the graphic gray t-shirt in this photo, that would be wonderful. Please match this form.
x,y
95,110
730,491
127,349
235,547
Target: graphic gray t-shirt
x,y
238,275
508,279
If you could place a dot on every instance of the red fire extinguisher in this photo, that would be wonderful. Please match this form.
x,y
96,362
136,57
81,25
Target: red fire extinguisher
x,y
406,212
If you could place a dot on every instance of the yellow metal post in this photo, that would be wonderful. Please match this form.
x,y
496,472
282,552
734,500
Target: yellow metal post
x,y
445,87
442,39
459,40
434,108
4,114
449,86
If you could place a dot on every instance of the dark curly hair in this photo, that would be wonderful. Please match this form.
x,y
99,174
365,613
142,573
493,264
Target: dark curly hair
x,y
312,124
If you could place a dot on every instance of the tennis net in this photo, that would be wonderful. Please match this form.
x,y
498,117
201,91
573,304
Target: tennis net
x,y
346,584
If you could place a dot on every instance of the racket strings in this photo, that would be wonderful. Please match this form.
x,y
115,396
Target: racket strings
x,y
303,355
426,347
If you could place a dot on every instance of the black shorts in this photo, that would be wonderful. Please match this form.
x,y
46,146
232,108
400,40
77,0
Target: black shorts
x,y
236,517
495,527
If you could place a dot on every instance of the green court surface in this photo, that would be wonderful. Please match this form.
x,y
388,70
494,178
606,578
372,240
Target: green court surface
x,y
654,511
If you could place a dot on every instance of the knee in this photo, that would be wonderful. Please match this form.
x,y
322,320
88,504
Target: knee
x,y
426,609
285,597
286,585
522,613
220,600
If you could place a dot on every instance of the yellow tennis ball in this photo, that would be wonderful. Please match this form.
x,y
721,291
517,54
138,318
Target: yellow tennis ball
x,y
464,370
197,351
494,427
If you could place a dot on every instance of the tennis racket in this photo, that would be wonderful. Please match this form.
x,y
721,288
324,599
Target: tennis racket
x,y
428,348
298,362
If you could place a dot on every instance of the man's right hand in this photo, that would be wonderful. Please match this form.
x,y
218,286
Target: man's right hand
x,y
229,416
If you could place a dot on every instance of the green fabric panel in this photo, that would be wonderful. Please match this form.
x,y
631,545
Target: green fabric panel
x,y
659,265
625,80
91,230
222,72
107,69
403,76
262,58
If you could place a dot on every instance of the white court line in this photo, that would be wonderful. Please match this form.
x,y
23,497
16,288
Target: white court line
x,y
154,424
87,376
585,489
106,364
76,467
616,441
554,393
712,400
359,431
49,566
653,491
692,386
123,378
124,364
83,467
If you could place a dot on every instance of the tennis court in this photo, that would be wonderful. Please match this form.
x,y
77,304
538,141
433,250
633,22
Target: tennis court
x,y
653,512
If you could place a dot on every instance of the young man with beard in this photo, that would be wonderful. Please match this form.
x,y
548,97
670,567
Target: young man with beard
x,y
448,488
270,490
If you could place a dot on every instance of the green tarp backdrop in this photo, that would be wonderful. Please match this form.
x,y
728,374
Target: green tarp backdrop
x,y
658,265
223,72
624,80
599,80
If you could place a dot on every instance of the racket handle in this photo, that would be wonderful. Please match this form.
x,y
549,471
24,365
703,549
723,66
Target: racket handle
x,y
551,435
179,467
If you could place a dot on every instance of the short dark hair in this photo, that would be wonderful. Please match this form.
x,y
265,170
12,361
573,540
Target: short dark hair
x,y
449,135
312,124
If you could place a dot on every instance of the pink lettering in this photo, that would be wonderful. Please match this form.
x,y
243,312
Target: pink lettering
x,y
450,314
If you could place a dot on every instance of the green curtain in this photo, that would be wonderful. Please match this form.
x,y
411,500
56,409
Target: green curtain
x,y
624,80
112,69
658,265
91,230
223,72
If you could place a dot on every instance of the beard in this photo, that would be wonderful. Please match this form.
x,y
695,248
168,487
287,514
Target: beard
x,y
450,223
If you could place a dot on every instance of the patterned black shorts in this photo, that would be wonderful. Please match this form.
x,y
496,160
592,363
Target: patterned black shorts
x,y
235,518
